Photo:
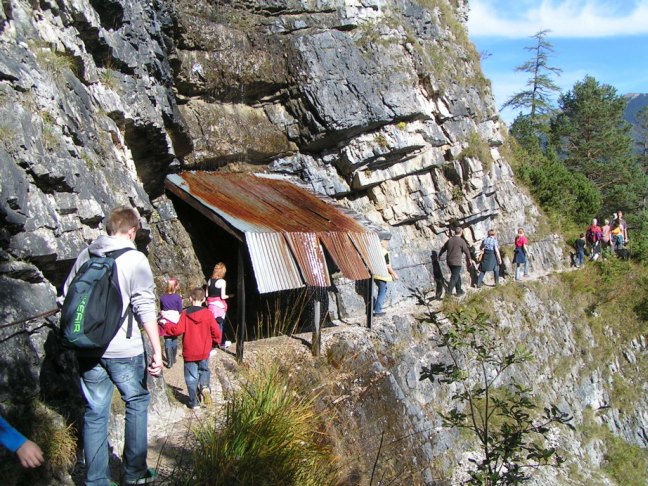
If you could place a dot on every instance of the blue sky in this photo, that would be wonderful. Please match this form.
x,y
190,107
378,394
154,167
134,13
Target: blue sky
x,y
605,39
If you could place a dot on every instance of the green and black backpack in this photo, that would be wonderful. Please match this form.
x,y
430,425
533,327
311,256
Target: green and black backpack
x,y
92,312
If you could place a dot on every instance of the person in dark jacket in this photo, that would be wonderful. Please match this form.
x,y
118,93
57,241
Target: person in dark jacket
x,y
201,333
456,247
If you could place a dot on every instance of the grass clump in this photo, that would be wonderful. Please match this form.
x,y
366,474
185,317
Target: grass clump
x,y
270,435
478,148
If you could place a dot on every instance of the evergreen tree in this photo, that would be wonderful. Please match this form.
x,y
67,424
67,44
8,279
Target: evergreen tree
x,y
594,140
537,98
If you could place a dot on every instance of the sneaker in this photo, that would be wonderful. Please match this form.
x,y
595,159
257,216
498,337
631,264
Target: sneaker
x,y
205,393
149,478
226,344
378,314
461,292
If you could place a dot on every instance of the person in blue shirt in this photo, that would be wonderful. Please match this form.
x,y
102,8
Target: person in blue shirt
x,y
28,452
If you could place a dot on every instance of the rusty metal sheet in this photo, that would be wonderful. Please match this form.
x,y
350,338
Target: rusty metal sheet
x,y
310,257
345,255
368,245
273,264
259,204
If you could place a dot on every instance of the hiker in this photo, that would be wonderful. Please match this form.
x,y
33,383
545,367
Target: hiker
x,y
217,294
520,254
617,235
170,309
593,236
624,226
381,280
28,452
123,363
456,246
438,274
490,258
606,240
201,332
579,246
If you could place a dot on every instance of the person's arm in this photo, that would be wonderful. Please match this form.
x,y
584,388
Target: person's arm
x,y
151,330
178,329
392,272
142,300
223,290
497,254
28,452
443,249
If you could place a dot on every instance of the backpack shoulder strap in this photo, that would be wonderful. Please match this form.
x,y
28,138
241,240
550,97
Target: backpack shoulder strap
x,y
114,255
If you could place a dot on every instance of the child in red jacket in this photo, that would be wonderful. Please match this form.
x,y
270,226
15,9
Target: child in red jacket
x,y
201,333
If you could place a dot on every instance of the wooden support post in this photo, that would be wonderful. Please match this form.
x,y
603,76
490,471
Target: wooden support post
x,y
240,290
317,335
370,302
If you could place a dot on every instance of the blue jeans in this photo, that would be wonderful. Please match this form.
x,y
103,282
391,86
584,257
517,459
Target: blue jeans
x,y
171,348
196,374
580,258
98,382
518,266
380,297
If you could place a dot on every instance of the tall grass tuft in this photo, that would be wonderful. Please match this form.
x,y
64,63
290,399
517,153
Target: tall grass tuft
x,y
269,435
282,314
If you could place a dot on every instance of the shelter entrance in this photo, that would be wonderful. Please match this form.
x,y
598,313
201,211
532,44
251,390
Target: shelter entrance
x,y
278,241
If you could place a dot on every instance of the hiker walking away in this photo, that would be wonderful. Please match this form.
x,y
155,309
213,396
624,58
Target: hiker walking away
x,y
456,247
617,235
624,226
606,238
28,452
201,333
490,258
520,254
593,236
217,294
170,309
381,280
579,246
438,274
122,363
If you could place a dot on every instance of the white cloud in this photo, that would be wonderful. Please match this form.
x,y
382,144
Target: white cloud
x,y
566,18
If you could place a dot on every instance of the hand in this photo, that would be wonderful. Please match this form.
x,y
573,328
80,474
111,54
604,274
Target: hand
x,y
30,455
155,368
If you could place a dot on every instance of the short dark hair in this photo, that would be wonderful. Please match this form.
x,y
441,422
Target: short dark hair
x,y
121,219
197,293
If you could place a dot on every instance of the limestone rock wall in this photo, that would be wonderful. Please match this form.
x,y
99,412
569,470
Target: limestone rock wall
x,y
378,104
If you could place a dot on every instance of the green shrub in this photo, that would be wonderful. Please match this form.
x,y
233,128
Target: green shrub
x,y
269,435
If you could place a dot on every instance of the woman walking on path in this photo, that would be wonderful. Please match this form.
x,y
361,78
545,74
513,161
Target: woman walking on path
x,y
520,254
490,259
170,309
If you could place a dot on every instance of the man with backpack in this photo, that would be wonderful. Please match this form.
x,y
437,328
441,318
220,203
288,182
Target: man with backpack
x,y
593,236
121,362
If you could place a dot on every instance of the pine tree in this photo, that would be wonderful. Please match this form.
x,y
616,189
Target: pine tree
x,y
537,98
594,139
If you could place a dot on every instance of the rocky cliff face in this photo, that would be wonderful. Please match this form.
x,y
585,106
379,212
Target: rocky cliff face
x,y
380,105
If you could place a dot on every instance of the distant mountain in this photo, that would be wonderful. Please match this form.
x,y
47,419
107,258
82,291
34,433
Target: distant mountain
x,y
636,101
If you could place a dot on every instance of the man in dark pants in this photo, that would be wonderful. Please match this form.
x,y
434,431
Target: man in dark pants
x,y
456,246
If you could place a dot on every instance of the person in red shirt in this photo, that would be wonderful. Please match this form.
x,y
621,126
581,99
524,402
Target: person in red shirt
x,y
201,334
520,254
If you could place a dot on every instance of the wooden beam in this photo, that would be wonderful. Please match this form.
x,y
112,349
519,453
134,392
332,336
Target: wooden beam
x,y
240,290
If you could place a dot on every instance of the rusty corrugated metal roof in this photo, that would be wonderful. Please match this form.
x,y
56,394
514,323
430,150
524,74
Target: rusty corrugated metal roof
x,y
273,265
274,217
342,251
